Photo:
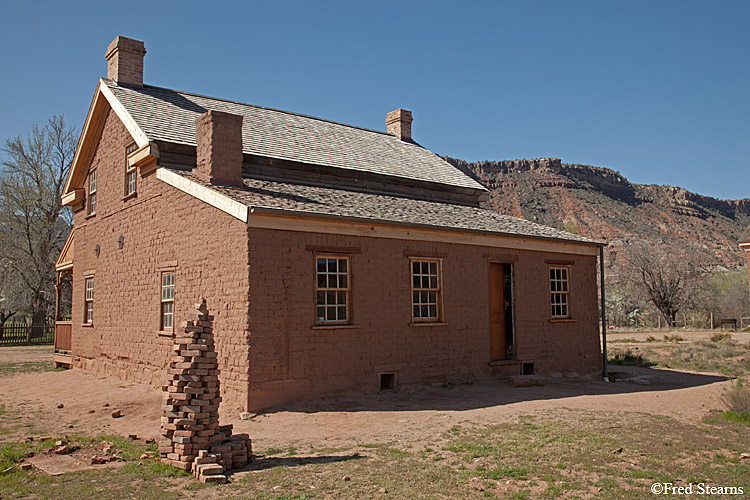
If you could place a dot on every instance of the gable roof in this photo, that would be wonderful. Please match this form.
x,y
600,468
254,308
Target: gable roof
x,y
262,196
169,115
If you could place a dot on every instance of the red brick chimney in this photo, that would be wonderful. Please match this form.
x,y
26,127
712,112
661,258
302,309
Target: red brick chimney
x,y
219,151
125,61
399,123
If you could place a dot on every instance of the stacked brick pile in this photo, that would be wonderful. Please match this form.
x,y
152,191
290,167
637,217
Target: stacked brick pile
x,y
192,438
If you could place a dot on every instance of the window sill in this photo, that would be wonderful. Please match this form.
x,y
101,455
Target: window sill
x,y
163,333
87,325
427,323
563,320
131,195
334,327
88,216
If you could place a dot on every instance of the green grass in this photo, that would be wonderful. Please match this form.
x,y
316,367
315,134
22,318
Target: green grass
x,y
7,369
733,416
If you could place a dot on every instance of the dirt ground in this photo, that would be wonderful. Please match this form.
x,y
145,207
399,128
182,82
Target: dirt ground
x,y
408,415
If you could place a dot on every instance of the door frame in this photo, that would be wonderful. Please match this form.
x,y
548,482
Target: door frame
x,y
510,354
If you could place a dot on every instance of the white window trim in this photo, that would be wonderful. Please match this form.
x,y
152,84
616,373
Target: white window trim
x,y
170,300
439,298
348,290
566,294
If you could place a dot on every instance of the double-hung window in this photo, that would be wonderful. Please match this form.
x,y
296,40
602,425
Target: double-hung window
x,y
129,172
88,307
167,301
559,281
426,290
332,290
91,205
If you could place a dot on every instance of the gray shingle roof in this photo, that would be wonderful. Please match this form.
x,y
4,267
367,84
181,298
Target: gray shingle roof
x,y
264,195
169,115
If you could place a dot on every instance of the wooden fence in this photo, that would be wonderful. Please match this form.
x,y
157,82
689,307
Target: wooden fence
x,y
21,334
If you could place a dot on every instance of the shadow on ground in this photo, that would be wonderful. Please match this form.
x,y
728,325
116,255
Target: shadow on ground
x,y
261,462
489,393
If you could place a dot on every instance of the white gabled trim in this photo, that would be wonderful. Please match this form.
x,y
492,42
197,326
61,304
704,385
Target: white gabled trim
x,y
208,195
140,137
93,125
745,244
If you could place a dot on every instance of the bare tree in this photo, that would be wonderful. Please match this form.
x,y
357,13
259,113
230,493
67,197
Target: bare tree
x,y
663,274
33,222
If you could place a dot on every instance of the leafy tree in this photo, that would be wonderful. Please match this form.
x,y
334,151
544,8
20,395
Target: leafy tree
x,y
33,222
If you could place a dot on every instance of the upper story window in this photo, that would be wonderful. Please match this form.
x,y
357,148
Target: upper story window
x,y
88,309
167,300
129,171
332,290
559,281
426,290
91,203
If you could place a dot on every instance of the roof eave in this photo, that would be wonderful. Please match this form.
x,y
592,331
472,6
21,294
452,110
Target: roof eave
x,y
299,213
103,98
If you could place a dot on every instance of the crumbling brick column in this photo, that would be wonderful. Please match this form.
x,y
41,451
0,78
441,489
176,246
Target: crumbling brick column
x,y
192,438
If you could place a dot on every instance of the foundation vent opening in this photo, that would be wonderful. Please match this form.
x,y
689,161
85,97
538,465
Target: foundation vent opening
x,y
387,381
527,369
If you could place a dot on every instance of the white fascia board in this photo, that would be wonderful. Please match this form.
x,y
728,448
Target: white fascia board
x,y
203,193
140,137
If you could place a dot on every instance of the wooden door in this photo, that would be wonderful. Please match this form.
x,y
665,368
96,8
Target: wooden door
x,y
497,311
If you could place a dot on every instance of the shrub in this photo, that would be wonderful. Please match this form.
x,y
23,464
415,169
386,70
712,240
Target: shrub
x,y
673,338
629,358
720,337
737,399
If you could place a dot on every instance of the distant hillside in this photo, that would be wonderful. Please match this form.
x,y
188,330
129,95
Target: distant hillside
x,y
602,204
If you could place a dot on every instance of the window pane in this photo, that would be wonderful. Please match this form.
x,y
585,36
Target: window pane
x,y
415,267
322,281
331,313
341,298
321,265
332,281
415,297
416,311
433,311
330,298
342,265
321,313
433,282
331,265
321,299
343,281
433,268
433,297
341,313
424,311
425,267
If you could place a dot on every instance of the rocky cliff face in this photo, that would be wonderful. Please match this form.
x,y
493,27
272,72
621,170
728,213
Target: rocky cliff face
x,y
602,204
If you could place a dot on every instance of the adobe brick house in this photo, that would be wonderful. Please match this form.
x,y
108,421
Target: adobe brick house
x,y
334,258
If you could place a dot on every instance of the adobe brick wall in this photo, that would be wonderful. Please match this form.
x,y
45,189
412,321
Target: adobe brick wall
x,y
159,226
291,360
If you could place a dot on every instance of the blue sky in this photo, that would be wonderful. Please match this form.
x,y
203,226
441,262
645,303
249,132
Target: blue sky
x,y
657,90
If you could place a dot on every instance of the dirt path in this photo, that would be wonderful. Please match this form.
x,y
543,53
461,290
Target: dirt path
x,y
27,354
405,416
